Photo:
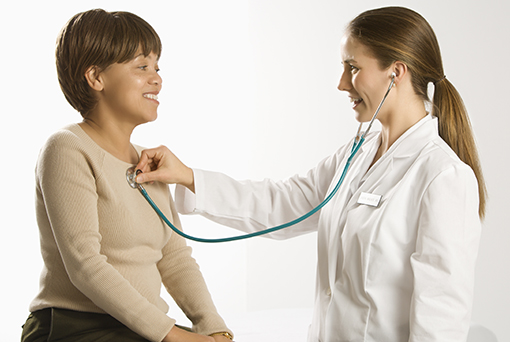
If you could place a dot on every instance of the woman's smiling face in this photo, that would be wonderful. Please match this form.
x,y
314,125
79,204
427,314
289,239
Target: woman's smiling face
x,y
363,79
131,89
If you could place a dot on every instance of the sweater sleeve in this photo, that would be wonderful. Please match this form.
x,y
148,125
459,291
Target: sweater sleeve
x,y
444,262
184,282
67,176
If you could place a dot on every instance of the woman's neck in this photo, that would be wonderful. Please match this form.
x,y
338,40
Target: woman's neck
x,y
111,137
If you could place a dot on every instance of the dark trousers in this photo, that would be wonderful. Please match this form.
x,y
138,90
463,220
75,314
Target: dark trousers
x,y
66,325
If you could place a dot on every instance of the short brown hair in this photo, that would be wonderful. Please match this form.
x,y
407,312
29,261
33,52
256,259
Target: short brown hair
x,y
98,38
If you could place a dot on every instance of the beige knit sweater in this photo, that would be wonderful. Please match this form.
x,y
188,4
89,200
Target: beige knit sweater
x,y
104,248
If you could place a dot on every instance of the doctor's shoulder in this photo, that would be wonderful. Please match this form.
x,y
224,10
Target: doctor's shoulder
x,y
438,158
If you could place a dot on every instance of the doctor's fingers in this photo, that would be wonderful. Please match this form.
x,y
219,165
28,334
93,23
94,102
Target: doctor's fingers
x,y
150,158
169,173
160,164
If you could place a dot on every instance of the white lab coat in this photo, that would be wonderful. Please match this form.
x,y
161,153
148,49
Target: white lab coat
x,y
402,271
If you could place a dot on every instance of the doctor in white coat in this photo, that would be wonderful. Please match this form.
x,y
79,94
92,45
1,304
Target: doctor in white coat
x,y
398,243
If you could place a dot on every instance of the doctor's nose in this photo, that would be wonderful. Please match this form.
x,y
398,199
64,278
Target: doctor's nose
x,y
345,83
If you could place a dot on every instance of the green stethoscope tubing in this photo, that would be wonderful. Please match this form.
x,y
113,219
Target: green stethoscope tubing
x,y
261,232
358,141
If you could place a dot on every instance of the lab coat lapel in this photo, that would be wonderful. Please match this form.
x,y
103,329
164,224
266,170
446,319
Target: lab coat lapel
x,y
375,181
381,179
371,180
336,216
362,162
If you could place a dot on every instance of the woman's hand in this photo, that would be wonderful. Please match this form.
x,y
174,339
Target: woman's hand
x,y
160,164
179,335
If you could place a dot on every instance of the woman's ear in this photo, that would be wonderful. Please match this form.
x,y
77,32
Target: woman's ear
x,y
94,79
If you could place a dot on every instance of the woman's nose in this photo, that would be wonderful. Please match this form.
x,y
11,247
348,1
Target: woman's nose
x,y
156,79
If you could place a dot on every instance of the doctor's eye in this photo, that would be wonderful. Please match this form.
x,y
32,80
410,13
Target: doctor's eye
x,y
353,68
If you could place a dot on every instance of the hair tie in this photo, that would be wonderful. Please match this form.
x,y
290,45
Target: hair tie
x,y
439,80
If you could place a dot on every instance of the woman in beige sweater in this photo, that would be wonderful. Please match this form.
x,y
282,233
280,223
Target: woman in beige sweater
x,y
105,251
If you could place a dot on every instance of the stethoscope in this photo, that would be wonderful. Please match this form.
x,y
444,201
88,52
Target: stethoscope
x,y
358,141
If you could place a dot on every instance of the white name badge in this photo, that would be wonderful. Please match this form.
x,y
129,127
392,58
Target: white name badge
x,y
372,200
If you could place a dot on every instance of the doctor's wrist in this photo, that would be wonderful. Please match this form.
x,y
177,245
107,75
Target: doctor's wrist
x,y
189,181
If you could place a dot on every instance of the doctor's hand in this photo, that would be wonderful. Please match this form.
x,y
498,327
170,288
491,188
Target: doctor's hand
x,y
160,164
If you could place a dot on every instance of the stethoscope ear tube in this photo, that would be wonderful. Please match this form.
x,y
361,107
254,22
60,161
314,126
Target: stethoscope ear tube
x,y
378,108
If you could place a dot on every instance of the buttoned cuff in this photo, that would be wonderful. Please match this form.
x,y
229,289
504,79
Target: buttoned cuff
x,y
185,200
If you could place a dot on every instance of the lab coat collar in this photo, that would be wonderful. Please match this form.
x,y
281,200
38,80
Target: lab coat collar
x,y
411,142
408,144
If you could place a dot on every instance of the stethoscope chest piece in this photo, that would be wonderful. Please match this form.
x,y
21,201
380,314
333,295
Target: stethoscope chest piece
x,y
131,177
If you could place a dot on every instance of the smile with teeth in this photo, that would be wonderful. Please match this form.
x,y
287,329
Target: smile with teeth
x,y
151,96
356,101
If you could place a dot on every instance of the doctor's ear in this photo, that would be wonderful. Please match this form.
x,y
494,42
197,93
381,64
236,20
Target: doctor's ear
x,y
94,79
399,70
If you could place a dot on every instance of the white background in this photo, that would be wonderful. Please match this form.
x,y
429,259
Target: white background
x,y
250,90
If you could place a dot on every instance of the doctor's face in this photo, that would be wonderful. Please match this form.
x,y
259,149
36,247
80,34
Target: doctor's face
x,y
362,79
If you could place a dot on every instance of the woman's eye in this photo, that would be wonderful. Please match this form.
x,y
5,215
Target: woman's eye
x,y
146,67
353,68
